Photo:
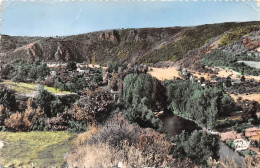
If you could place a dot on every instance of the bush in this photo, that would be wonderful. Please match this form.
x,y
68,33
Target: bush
x,y
71,66
50,104
119,141
113,84
31,120
248,153
4,113
93,107
8,99
17,122
114,66
115,132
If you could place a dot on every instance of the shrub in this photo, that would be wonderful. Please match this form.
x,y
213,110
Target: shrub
x,y
31,120
8,99
113,82
4,113
71,66
60,122
115,132
18,122
93,107
35,116
113,66
119,141
82,139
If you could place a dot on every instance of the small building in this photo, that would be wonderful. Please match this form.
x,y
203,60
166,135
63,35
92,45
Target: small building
x,y
258,115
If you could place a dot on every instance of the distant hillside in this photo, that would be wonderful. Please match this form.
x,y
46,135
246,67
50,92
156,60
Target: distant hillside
x,y
146,45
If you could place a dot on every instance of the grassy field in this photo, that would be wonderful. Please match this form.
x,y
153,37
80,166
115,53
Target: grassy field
x,y
25,88
41,149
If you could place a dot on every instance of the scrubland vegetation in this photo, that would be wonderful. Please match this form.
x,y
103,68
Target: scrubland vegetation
x,y
81,116
125,132
223,59
195,38
235,34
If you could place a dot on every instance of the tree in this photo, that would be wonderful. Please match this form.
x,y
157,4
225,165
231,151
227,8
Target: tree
x,y
198,146
228,82
44,101
71,66
201,104
243,79
202,79
144,94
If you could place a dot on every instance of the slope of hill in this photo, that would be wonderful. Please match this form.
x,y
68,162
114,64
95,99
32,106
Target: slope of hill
x,y
146,45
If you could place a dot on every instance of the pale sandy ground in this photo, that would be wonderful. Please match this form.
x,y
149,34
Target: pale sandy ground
x,y
223,73
1,144
80,65
164,73
255,96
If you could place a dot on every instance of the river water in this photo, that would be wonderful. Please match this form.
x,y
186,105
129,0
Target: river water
x,y
174,125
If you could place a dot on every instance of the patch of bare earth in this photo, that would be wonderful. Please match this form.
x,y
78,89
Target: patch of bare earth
x,y
251,97
164,73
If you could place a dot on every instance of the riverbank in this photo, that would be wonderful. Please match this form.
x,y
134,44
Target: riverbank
x,y
175,124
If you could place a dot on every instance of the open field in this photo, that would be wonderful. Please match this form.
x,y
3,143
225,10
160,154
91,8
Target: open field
x,y
29,88
164,73
40,149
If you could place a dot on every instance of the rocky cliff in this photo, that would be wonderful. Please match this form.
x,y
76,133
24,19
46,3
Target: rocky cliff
x,y
146,45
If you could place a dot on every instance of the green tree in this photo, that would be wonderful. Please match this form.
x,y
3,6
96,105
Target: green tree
x,y
143,95
44,100
198,146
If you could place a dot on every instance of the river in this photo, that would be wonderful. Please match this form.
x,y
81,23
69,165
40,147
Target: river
x,y
174,125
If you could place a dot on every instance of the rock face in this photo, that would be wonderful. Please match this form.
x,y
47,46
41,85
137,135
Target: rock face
x,y
101,47
124,45
246,45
